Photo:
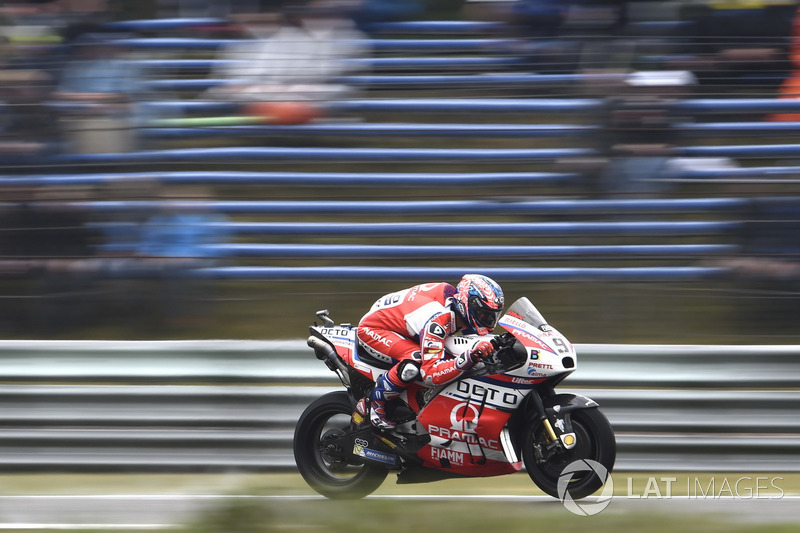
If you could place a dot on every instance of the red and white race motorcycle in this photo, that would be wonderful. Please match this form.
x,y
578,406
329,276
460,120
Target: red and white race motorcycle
x,y
498,416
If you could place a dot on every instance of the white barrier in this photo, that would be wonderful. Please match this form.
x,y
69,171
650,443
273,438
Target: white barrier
x,y
136,406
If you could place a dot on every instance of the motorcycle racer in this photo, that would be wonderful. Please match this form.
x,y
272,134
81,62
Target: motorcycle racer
x,y
409,328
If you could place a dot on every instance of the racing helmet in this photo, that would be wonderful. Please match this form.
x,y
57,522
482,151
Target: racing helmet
x,y
479,300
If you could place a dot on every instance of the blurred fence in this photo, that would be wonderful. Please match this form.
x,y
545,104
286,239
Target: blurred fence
x,y
457,146
199,406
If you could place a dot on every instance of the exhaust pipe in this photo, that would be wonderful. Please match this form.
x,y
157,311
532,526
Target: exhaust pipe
x,y
326,353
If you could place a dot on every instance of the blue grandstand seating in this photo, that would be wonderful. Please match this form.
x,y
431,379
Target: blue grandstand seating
x,y
688,229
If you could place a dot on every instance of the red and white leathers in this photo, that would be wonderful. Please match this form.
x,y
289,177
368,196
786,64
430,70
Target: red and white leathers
x,y
409,328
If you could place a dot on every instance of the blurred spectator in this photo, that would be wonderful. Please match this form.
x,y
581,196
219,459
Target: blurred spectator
x,y
175,241
180,234
294,56
639,137
98,91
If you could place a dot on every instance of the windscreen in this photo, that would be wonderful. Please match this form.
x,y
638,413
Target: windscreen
x,y
524,310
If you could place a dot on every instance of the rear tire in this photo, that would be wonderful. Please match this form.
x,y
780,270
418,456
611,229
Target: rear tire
x,y
329,416
595,441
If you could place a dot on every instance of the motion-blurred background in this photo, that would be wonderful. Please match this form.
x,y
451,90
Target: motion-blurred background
x,y
187,169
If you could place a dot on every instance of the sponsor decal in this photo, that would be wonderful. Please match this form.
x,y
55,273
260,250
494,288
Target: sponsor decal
x,y
464,416
514,323
444,372
377,337
535,341
535,369
523,381
526,338
437,330
338,341
335,332
433,346
463,436
394,299
376,354
360,449
447,457
492,395
362,367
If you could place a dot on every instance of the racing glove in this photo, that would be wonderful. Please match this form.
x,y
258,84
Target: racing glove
x,y
482,351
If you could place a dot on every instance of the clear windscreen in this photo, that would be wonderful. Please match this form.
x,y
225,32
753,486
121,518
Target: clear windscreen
x,y
524,310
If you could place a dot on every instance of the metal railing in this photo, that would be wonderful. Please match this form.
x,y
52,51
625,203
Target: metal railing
x,y
232,405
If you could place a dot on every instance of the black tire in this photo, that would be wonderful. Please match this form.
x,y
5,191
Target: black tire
x,y
330,415
595,441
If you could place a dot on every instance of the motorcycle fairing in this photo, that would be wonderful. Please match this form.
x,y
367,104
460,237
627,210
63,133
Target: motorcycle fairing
x,y
343,339
466,422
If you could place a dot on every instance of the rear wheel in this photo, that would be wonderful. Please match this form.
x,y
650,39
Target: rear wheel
x,y
326,419
594,441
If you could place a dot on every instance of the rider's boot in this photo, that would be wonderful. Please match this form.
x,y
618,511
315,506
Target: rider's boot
x,y
385,389
360,412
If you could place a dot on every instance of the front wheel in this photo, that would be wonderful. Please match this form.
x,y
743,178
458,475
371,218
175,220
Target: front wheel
x,y
594,441
325,420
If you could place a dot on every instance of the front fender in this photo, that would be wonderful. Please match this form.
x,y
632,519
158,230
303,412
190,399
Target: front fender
x,y
553,406
559,409
560,404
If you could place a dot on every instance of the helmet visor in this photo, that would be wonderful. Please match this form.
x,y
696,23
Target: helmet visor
x,y
482,314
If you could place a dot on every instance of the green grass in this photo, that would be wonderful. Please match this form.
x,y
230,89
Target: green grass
x,y
293,484
461,517
266,515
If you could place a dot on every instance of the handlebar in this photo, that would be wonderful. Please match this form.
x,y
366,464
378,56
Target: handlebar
x,y
505,356
506,340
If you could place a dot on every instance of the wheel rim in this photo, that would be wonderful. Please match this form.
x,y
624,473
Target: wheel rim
x,y
327,427
584,449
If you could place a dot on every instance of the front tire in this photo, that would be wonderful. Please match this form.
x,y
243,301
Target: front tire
x,y
594,440
327,417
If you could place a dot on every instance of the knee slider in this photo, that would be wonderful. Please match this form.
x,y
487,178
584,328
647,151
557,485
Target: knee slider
x,y
408,370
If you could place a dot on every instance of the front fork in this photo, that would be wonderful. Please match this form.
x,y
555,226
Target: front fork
x,y
556,423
